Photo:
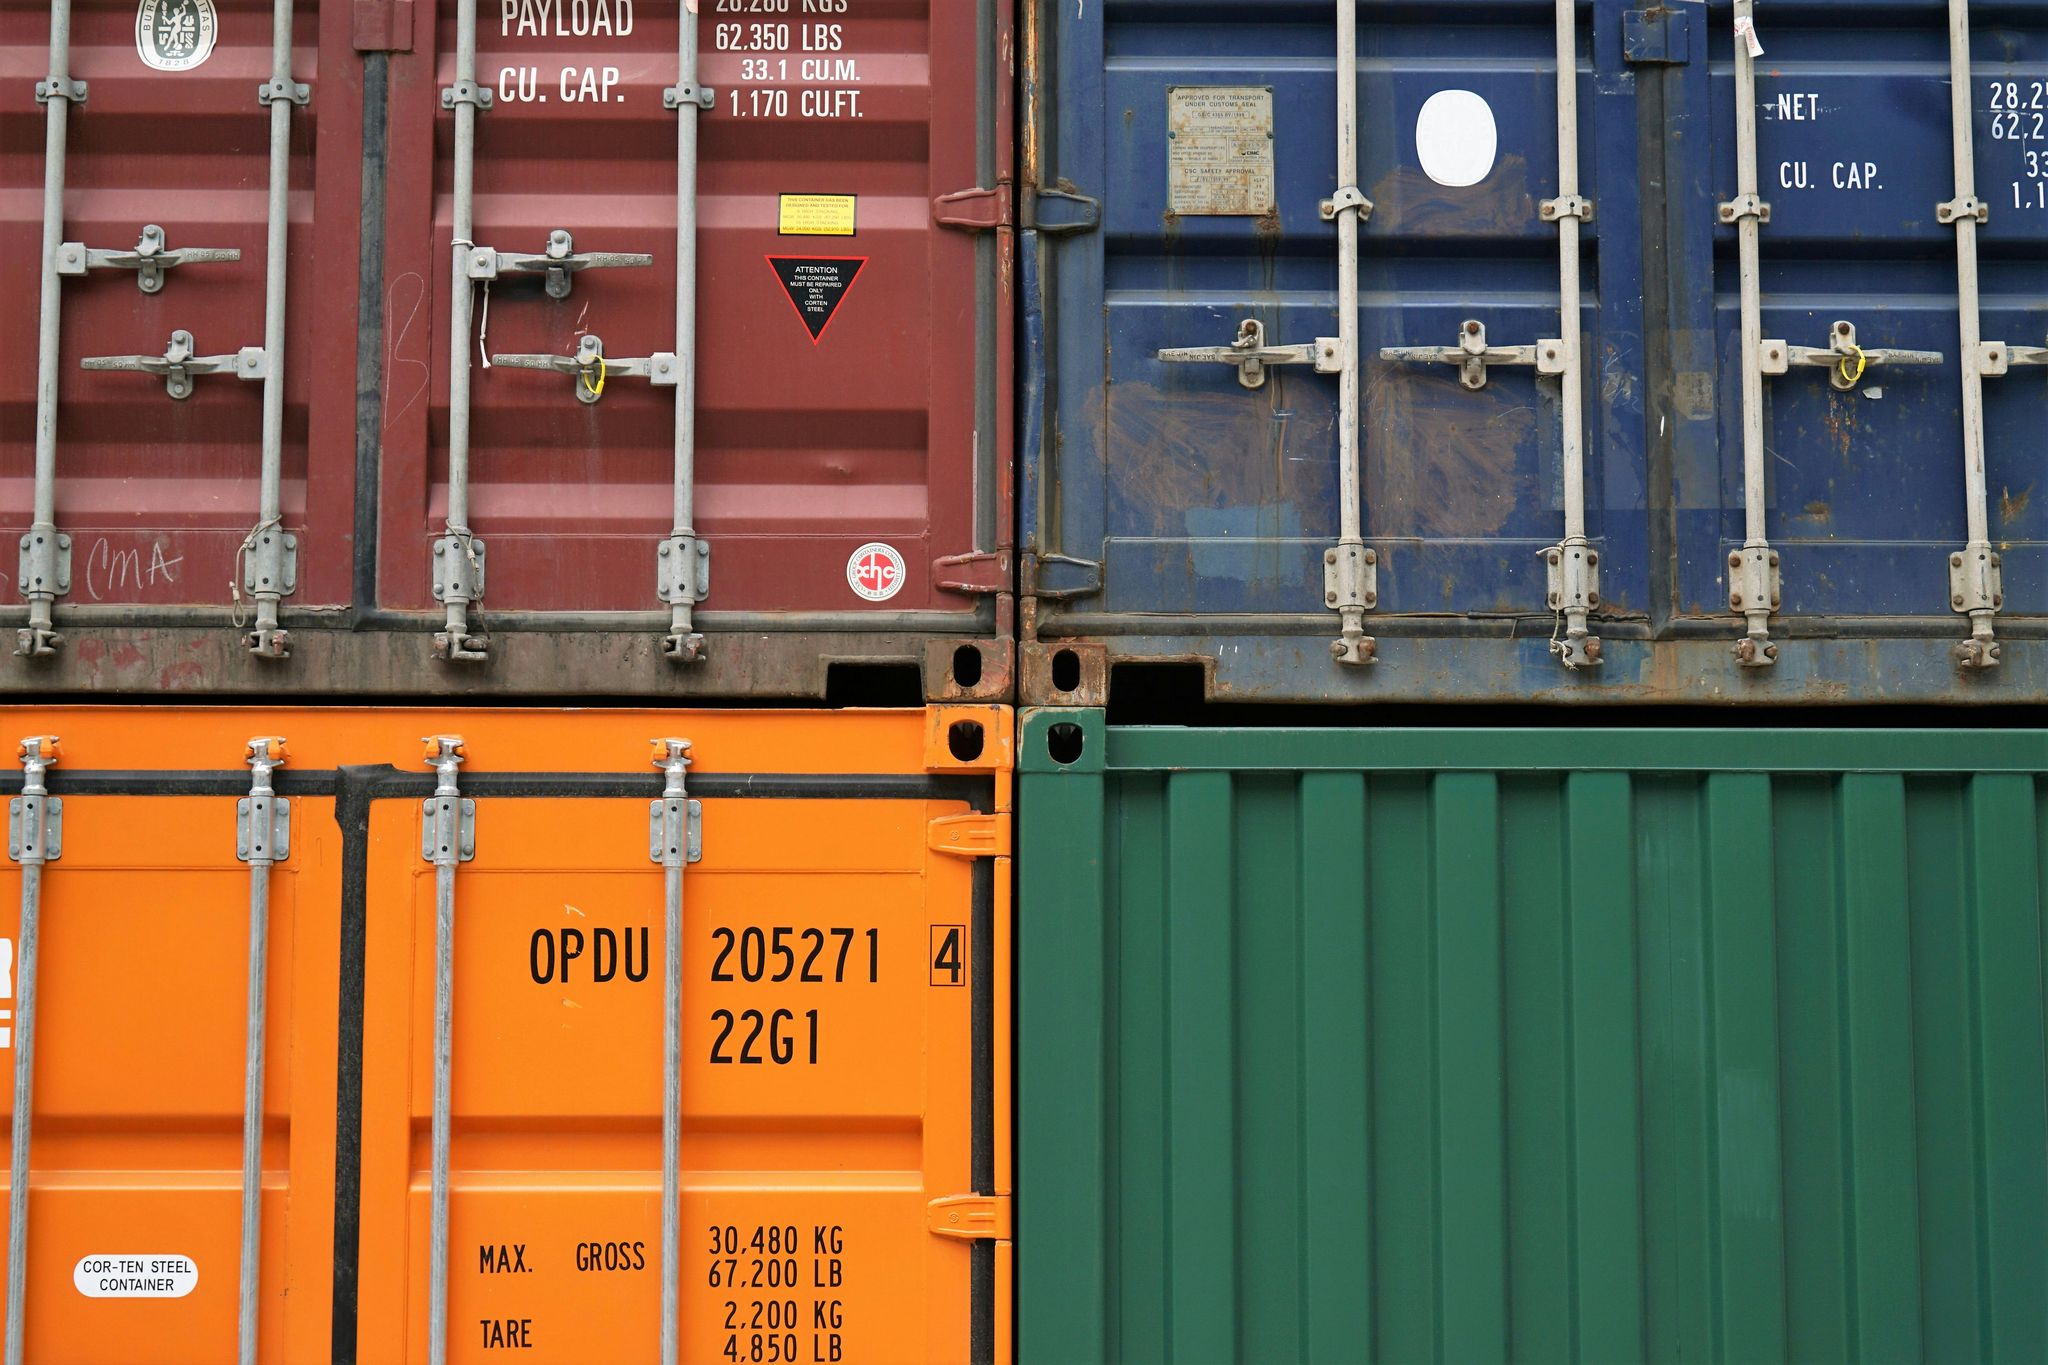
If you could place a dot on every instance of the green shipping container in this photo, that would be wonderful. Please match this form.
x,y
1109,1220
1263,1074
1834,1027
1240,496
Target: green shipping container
x,y
1559,1044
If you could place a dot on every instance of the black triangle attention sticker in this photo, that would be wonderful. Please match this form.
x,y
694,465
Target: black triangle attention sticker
x,y
816,286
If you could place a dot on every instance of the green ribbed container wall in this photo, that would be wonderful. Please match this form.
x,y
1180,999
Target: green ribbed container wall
x,y
1550,1045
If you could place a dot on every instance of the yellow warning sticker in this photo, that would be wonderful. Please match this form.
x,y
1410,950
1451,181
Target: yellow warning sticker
x,y
816,215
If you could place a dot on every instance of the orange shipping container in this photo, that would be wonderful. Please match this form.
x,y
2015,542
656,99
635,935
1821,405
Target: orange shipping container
x,y
841,1127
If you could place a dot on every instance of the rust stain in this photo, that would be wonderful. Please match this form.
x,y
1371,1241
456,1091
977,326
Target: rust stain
x,y
1841,422
2010,507
1186,447
1819,511
1406,200
1440,458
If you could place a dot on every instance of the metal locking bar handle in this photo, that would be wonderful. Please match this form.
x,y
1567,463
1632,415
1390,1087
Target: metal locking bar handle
x,y
45,569
559,261
180,364
263,824
35,836
149,258
682,562
447,838
458,555
675,839
593,369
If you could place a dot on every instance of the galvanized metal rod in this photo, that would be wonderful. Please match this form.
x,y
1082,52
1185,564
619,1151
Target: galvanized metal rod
x,y
1349,526
683,536
446,848
1757,613
461,301
674,816
37,754
38,637
264,757
1968,304
1568,226
267,639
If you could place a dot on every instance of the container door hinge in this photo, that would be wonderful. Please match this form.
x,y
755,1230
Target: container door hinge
x,y
970,1217
986,572
1056,577
1055,211
971,836
976,210
1657,36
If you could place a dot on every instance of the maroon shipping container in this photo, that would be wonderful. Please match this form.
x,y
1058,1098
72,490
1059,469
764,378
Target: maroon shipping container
x,y
848,447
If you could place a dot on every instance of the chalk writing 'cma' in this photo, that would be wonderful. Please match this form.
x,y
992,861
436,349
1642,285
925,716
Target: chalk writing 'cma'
x,y
108,570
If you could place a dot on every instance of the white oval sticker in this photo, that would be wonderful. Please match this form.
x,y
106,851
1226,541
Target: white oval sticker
x,y
1455,138
875,571
135,1275
175,35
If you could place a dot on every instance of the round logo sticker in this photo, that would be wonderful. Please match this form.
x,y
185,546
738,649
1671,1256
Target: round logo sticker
x,y
174,35
875,571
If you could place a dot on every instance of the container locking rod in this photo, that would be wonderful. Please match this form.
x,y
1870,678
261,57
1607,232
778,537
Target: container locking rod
x,y
35,836
1975,577
447,838
268,561
683,562
45,570
262,839
459,555
675,839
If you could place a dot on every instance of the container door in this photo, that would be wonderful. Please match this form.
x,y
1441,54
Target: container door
x,y
135,1225
852,334
1207,129
838,1085
1865,484
169,152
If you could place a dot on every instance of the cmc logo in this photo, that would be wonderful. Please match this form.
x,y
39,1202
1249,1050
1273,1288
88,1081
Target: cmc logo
x,y
875,571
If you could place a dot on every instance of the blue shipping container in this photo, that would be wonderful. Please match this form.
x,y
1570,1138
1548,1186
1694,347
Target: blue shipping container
x,y
1180,161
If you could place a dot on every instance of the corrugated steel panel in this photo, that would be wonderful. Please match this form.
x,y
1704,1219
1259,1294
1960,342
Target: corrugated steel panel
x,y
1170,515
1474,1044
140,1022
157,494
853,443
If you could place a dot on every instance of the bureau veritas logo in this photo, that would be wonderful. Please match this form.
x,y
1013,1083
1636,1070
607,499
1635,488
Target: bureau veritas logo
x,y
175,35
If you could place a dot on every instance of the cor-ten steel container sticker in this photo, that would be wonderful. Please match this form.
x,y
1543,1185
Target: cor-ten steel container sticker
x,y
134,1221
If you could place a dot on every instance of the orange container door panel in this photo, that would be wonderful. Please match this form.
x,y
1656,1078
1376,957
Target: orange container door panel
x,y
135,1188
839,974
